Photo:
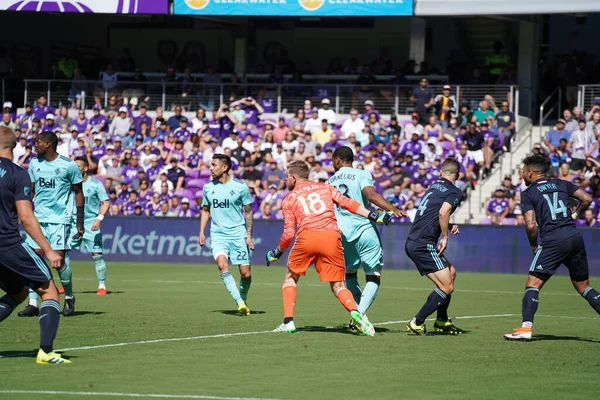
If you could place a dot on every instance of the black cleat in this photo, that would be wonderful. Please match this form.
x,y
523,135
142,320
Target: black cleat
x,y
69,307
29,311
353,327
447,327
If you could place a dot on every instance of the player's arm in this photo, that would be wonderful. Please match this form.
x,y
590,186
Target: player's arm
x,y
289,230
532,229
80,205
444,217
584,202
249,217
380,202
353,206
204,217
104,208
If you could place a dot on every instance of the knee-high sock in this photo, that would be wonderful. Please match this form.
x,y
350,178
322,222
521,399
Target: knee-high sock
x,y
369,294
353,286
245,287
66,275
434,300
345,297
529,305
33,298
593,297
231,286
7,305
49,317
100,270
442,311
289,302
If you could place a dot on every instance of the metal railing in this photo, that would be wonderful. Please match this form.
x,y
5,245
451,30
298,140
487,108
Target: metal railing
x,y
556,95
587,95
274,98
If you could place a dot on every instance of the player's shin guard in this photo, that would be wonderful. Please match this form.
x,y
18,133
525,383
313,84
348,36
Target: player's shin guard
x,y
435,299
530,306
49,317
245,284
289,300
345,297
353,286
100,270
370,292
593,297
33,298
7,305
442,311
66,275
231,286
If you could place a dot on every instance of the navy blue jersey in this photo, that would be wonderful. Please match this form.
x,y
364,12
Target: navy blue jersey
x,y
15,185
549,198
426,226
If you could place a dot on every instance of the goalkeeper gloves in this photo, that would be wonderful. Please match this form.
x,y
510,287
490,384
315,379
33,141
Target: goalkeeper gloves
x,y
273,255
383,218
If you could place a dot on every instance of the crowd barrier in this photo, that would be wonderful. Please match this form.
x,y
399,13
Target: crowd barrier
x,y
475,249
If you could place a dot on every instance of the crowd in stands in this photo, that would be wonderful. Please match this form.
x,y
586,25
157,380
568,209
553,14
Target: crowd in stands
x,y
572,147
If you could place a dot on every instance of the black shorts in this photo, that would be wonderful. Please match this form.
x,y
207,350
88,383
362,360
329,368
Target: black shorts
x,y
425,257
21,267
570,252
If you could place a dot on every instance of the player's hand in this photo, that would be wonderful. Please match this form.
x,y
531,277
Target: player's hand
x,y
384,218
455,230
201,239
535,249
398,213
250,242
442,245
96,225
56,260
273,255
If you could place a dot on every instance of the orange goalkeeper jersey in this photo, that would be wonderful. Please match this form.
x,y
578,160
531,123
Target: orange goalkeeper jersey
x,y
310,207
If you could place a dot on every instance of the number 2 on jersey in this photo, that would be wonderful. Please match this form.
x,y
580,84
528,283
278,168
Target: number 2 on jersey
x,y
314,205
423,204
556,206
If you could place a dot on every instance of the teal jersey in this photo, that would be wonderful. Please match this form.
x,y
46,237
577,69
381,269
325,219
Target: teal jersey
x,y
350,182
94,194
226,202
53,181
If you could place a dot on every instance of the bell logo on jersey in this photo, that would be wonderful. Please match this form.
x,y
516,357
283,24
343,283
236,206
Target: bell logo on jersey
x,y
220,204
48,184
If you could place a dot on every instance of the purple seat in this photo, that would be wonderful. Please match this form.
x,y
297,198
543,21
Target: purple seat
x,y
185,193
204,173
196,183
194,174
198,194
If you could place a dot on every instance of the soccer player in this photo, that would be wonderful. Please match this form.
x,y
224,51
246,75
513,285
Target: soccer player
x,y
432,220
360,239
54,180
310,207
223,200
97,206
20,267
544,204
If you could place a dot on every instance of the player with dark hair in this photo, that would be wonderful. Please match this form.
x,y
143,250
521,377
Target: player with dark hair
x,y
20,267
426,249
228,203
56,181
360,239
544,205
309,207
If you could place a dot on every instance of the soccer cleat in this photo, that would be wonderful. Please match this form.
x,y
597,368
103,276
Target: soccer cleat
x,y
61,290
101,292
50,358
447,327
353,327
521,334
362,323
416,329
290,327
69,306
29,311
243,308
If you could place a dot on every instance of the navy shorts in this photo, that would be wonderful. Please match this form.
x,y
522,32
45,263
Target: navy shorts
x,y
570,252
425,257
21,267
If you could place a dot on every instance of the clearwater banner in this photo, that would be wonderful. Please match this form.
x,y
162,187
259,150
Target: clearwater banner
x,y
88,6
475,249
288,8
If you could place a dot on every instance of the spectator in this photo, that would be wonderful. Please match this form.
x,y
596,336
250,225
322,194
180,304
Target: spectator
x,y
413,127
281,131
7,121
482,112
174,121
324,134
98,121
313,124
317,174
42,109
423,99
414,146
394,127
326,113
273,175
583,143
298,121
506,121
589,220
212,149
370,109
498,208
266,214
110,79
474,140
63,120
352,125
445,106
165,211
571,124
198,120
553,137
251,109
121,123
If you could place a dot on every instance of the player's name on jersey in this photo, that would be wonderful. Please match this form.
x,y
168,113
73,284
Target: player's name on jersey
x,y
334,178
302,190
440,187
547,186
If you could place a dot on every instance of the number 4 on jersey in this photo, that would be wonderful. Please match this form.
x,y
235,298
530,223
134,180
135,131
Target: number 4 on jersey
x,y
556,206
423,204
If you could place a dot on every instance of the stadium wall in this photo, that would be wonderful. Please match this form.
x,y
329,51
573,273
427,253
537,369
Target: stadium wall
x,y
475,249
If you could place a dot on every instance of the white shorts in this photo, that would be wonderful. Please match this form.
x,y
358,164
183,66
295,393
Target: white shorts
x,y
477,155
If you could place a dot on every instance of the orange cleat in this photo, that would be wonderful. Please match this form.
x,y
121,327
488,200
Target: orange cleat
x,y
101,292
520,334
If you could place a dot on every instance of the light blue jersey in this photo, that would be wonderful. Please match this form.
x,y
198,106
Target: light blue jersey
x,y
53,180
350,182
94,193
226,202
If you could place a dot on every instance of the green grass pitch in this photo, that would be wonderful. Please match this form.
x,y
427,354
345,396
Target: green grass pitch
x,y
158,302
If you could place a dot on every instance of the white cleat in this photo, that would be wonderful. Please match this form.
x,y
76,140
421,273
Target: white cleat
x,y
363,323
286,328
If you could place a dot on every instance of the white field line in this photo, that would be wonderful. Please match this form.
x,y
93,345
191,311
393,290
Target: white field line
x,y
118,394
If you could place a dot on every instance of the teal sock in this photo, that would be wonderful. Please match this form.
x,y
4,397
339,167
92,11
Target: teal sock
x,y
231,286
65,274
369,294
33,298
100,270
353,286
245,287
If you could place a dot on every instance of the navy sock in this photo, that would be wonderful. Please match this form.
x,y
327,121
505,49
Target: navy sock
x,y
442,311
49,317
530,305
7,305
435,300
593,297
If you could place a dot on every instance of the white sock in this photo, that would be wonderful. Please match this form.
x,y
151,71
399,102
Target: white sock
x,y
102,286
33,302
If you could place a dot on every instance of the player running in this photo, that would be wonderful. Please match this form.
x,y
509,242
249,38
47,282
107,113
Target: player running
x,y
20,267
431,221
223,199
310,207
54,179
96,208
545,202
360,239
